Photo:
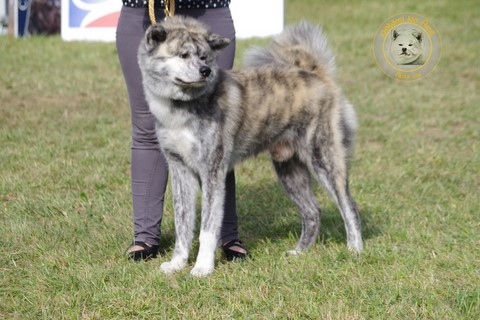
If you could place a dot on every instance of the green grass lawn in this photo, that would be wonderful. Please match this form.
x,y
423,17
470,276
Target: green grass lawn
x,y
65,208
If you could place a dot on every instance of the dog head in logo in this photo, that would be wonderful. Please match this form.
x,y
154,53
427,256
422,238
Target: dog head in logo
x,y
407,47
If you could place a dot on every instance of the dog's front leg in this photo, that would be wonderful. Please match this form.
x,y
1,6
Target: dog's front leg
x,y
184,189
213,195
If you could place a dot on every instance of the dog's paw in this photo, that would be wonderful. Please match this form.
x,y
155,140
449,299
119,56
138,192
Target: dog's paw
x,y
355,246
202,271
172,266
295,252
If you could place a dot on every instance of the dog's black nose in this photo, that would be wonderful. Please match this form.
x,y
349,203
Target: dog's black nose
x,y
404,49
205,71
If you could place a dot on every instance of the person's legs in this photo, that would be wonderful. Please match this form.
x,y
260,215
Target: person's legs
x,y
149,171
148,166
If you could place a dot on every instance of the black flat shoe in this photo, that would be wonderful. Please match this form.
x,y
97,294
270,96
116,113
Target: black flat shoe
x,y
147,252
233,254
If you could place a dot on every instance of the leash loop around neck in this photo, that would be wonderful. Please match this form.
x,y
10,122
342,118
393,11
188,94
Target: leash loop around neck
x,y
168,9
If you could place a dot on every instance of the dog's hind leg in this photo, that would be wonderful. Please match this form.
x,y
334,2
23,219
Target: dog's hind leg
x,y
295,178
184,191
332,173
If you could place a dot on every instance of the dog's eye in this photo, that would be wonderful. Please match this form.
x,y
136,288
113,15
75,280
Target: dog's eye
x,y
400,44
203,57
184,55
410,45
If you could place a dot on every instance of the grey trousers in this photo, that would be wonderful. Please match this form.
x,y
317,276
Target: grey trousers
x,y
149,172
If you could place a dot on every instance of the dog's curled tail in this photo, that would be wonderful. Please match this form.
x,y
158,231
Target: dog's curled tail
x,y
303,45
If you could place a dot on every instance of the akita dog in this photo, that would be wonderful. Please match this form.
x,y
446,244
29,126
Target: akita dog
x,y
407,47
286,102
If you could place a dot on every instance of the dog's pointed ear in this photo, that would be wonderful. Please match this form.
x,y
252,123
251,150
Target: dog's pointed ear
x,y
155,35
418,35
394,34
217,42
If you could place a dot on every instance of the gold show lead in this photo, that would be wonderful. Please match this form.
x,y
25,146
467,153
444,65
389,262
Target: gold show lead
x,y
168,8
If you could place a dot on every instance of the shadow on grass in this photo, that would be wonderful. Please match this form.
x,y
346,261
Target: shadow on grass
x,y
265,213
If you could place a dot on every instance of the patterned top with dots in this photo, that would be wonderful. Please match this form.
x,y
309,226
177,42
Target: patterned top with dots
x,y
181,4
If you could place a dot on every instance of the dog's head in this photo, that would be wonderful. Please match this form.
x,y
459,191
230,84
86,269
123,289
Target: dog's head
x,y
177,58
406,46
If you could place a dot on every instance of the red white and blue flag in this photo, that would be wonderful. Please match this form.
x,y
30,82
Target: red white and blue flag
x,y
93,13
90,19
